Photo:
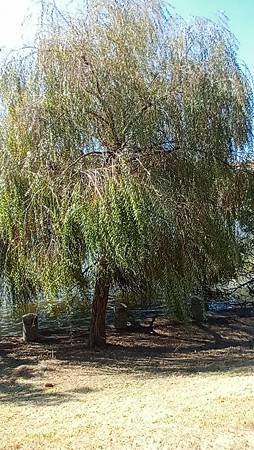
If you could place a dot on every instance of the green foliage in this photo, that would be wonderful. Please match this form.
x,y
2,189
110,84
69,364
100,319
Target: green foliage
x,y
117,139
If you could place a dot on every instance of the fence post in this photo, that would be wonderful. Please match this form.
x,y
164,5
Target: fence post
x,y
30,327
197,306
120,316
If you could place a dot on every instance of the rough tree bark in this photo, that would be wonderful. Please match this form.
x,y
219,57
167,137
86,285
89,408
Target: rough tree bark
x,y
97,334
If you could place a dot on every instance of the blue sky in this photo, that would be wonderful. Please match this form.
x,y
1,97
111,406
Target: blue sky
x,y
239,12
241,20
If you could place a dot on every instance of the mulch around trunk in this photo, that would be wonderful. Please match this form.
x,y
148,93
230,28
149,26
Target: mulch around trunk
x,y
226,342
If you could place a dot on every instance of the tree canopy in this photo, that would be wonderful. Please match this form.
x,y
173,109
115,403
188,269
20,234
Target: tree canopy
x,y
118,137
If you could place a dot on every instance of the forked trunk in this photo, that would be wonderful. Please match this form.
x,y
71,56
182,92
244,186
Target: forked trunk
x,y
97,335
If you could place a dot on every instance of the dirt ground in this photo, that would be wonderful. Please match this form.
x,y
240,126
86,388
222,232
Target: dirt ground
x,y
186,387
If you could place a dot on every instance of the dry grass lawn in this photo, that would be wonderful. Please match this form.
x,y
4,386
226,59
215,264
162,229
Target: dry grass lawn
x,y
117,400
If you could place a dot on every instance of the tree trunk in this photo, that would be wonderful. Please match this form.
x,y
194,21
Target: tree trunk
x,y
97,334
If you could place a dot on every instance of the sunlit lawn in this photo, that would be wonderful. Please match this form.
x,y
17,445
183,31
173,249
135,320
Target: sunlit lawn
x,y
103,407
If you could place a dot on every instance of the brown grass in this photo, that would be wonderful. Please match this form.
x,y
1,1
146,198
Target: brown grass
x,y
139,394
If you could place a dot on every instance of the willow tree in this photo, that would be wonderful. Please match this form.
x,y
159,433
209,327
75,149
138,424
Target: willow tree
x,y
117,138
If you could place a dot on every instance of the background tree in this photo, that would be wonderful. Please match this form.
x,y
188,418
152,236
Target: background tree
x,y
117,138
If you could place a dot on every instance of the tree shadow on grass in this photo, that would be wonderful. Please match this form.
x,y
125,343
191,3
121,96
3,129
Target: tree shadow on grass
x,y
175,350
182,350
22,378
164,363
20,392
